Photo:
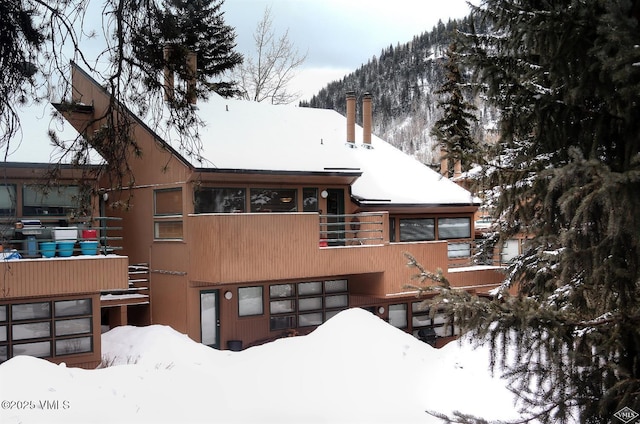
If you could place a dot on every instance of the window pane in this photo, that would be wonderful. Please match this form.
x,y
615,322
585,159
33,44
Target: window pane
x,y
4,353
310,303
31,311
281,306
314,287
420,320
73,326
209,318
3,313
250,301
392,229
340,301
66,308
330,314
398,315
459,250
168,229
7,199
168,202
418,307
282,322
419,229
449,228
309,200
219,200
38,349
75,345
32,330
307,320
335,286
281,290
41,200
3,333
274,200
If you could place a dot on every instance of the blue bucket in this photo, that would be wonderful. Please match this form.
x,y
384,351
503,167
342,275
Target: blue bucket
x,y
88,247
48,249
65,248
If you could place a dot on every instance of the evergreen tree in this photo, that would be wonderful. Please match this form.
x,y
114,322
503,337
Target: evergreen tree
x,y
566,79
453,129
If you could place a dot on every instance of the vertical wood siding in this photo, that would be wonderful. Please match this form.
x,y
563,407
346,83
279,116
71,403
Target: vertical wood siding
x,y
60,276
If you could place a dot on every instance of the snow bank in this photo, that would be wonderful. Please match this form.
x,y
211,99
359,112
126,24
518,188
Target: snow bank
x,y
355,368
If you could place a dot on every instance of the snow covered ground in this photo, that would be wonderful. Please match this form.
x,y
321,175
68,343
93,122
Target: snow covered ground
x,y
355,368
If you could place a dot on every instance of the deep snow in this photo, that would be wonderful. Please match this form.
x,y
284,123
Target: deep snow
x,y
355,368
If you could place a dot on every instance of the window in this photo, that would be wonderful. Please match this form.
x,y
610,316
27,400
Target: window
x,y
40,200
398,315
306,304
250,301
309,200
167,212
392,229
209,317
168,202
46,329
417,229
220,200
7,199
453,228
459,250
274,200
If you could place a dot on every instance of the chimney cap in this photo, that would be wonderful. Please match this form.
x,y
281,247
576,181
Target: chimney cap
x,y
351,93
366,95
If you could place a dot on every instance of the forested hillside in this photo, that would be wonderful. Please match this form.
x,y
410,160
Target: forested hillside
x,y
402,82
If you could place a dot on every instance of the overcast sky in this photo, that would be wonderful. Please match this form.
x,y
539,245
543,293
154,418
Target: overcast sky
x,y
338,35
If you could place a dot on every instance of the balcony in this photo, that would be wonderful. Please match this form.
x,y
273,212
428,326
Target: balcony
x,y
31,270
240,248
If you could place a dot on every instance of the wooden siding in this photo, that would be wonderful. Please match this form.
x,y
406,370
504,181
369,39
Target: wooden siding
x,y
234,248
62,276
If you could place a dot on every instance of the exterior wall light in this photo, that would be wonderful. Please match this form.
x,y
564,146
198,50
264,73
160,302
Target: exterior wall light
x,y
228,295
381,310
324,194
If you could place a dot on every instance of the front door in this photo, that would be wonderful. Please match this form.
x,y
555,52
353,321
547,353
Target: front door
x,y
335,217
209,318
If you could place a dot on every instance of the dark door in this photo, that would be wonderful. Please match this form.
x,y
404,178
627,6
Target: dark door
x,y
335,217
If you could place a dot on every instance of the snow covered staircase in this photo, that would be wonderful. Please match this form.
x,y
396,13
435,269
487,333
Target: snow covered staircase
x,y
136,294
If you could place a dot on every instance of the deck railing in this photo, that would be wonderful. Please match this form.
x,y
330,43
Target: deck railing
x,y
352,229
36,242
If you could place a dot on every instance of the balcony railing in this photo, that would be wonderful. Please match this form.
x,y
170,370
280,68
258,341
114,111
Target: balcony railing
x,y
19,241
352,229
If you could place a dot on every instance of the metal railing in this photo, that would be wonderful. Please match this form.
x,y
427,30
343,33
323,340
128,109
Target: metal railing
x,y
352,229
38,241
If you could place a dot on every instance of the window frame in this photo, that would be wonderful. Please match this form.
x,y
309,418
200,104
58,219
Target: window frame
x,y
47,317
240,299
168,225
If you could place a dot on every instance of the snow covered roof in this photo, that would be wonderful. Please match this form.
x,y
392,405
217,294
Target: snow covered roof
x,y
244,135
32,145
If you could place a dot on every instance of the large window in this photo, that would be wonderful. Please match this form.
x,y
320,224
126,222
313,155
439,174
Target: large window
x,y
250,301
454,228
417,229
220,200
274,200
167,213
40,200
7,199
306,304
46,329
